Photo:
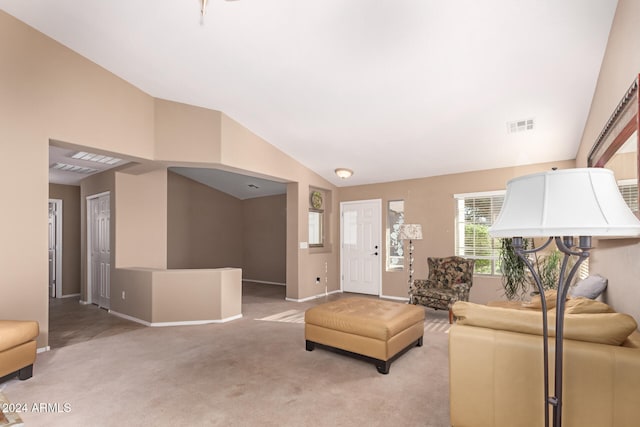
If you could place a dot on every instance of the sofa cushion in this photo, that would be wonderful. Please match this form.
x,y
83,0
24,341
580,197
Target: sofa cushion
x,y
589,287
16,332
603,328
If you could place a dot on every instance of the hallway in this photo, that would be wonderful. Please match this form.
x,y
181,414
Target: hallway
x,y
71,322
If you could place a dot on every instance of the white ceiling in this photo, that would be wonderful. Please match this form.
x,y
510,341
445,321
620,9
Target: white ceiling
x,y
240,186
392,89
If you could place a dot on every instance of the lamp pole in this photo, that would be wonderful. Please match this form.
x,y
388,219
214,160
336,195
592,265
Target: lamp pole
x,y
565,245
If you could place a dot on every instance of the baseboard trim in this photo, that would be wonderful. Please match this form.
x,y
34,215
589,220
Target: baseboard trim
x,y
195,322
313,297
69,295
403,299
165,324
264,282
42,349
127,317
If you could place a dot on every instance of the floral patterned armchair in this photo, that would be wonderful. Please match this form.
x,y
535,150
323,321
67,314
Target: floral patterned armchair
x,y
450,280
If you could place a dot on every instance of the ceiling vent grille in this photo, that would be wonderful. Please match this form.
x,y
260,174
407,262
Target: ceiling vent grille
x,y
73,168
98,158
520,126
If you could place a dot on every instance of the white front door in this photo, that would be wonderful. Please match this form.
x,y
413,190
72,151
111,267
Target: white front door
x,y
99,210
361,250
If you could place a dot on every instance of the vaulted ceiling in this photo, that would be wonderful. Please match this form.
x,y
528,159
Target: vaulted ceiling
x,y
393,89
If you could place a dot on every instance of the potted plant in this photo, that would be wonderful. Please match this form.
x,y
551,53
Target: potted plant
x,y
548,269
515,280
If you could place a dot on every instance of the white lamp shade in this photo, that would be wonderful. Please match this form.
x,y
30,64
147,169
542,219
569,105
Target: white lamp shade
x,y
569,202
410,232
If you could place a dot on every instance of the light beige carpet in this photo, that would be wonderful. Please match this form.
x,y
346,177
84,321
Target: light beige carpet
x,y
246,372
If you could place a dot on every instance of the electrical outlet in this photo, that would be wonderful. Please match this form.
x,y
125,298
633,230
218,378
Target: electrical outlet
x,y
123,295
317,280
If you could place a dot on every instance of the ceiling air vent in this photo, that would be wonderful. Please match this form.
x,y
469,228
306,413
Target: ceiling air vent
x,y
73,168
520,126
98,158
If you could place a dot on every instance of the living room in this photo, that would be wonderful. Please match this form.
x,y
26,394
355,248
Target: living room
x,y
51,93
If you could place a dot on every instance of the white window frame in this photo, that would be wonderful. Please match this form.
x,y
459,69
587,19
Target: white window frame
x,y
461,222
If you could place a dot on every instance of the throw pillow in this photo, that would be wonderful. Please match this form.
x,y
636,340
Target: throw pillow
x,y
582,305
536,302
591,287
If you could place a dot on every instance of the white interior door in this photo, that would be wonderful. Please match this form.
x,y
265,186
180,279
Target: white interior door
x,y
55,248
361,250
99,209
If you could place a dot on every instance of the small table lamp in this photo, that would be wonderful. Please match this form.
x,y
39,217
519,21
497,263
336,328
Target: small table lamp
x,y
561,204
411,232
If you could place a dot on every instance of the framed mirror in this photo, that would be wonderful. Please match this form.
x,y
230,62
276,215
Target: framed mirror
x,y
316,218
316,235
616,147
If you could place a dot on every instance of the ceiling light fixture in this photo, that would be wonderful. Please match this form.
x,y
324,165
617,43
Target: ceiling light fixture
x,y
344,173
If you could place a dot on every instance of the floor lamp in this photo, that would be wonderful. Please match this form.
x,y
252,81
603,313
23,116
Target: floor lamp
x,y
559,205
411,232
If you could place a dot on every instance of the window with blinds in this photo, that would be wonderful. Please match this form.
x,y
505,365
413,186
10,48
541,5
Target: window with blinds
x,y
629,191
475,213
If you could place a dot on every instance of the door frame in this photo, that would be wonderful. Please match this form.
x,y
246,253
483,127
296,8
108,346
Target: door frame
x,y
58,245
378,203
90,241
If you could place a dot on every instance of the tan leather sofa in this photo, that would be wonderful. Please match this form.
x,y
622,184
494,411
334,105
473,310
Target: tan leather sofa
x,y
496,367
17,348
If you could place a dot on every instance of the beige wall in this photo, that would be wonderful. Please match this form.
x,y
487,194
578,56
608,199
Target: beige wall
x,y
430,202
205,226
616,259
70,196
51,93
210,229
141,220
264,244
158,297
137,285
186,133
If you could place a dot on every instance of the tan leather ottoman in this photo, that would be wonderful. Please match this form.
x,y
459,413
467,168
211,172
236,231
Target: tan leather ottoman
x,y
376,330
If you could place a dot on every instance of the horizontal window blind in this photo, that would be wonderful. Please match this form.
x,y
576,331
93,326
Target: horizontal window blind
x,y
474,216
630,195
